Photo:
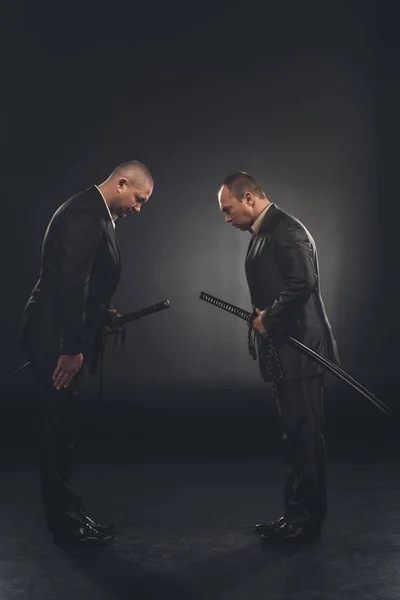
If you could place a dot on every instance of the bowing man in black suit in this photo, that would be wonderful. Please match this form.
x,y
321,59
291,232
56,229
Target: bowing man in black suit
x,y
63,326
282,274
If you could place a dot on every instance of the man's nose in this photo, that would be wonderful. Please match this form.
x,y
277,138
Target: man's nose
x,y
137,208
228,218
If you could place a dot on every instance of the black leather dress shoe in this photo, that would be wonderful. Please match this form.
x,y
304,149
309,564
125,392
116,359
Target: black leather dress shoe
x,y
86,535
262,528
292,532
104,528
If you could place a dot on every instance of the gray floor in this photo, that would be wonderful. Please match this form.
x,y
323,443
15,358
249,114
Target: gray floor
x,y
187,533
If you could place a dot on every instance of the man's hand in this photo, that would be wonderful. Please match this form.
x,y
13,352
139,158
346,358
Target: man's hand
x,y
258,325
67,367
108,329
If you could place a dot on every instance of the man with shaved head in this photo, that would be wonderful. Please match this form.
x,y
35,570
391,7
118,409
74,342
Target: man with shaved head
x,y
282,274
63,328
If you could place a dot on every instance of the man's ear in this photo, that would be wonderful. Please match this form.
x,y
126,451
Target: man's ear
x,y
249,198
121,183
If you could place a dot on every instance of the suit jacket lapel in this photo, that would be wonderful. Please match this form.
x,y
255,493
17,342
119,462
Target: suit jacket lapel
x,y
251,244
250,258
112,238
98,206
249,263
255,243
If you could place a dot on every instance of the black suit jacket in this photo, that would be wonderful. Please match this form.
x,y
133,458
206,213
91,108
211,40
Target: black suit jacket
x,y
283,278
80,270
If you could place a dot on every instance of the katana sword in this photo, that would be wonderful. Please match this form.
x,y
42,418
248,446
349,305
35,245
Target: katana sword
x,y
329,366
117,321
143,312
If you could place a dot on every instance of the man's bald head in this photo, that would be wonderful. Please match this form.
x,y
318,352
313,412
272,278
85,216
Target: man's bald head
x,y
242,200
240,182
128,187
133,170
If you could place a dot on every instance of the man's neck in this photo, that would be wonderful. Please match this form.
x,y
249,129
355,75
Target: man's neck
x,y
260,212
260,209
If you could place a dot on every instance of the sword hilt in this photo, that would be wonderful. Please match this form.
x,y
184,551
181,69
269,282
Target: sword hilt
x,y
231,308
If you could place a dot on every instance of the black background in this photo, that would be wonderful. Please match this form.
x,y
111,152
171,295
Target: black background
x,y
304,96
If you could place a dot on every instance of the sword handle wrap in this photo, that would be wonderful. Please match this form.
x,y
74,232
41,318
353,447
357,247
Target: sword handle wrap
x,y
234,310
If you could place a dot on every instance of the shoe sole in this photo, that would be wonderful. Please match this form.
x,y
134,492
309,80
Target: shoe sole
x,y
267,529
311,535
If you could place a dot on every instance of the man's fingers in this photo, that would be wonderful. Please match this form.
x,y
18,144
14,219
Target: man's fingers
x,y
64,382
68,380
72,375
64,379
59,379
67,367
58,375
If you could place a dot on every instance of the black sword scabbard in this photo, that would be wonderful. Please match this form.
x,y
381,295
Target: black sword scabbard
x,y
329,366
143,312
18,370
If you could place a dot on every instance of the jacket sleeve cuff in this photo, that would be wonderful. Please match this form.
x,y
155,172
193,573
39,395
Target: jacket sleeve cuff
x,y
70,348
